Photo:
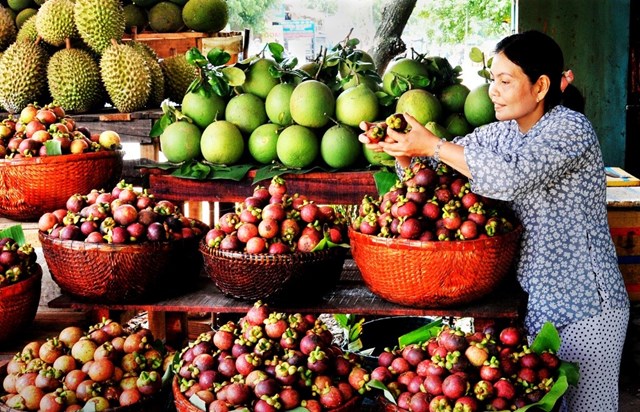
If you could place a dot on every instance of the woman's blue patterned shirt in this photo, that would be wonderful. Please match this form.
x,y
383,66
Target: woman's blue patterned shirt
x,y
553,179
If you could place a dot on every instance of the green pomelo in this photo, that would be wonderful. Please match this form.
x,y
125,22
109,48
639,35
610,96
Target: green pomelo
x,y
340,147
377,158
421,104
360,79
246,111
297,146
402,68
222,143
312,104
180,141
457,124
259,81
18,5
166,17
262,144
311,68
355,105
478,108
135,16
202,109
438,130
277,104
452,98
24,16
207,16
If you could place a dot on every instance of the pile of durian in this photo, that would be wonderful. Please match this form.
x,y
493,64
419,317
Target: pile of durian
x,y
71,53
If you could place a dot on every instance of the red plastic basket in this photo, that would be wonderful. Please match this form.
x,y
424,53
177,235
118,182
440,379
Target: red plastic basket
x,y
433,274
30,187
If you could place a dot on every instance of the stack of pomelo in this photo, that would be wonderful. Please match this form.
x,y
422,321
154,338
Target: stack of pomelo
x,y
314,120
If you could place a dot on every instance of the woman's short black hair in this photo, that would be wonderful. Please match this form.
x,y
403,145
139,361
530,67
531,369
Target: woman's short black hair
x,y
537,54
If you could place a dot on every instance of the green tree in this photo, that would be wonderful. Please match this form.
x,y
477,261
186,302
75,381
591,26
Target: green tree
x,y
457,21
250,14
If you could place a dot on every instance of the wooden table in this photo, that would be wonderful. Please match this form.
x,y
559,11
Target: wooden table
x,y
167,316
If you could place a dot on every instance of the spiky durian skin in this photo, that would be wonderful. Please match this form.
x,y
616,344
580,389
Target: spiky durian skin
x,y
55,21
74,80
157,77
7,28
23,75
99,21
178,75
28,31
126,77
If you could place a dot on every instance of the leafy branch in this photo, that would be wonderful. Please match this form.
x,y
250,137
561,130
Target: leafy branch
x,y
477,56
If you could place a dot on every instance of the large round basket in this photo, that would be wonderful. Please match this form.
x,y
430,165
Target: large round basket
x,y
433,274
111,273
29,187
274,277
19,304
182,404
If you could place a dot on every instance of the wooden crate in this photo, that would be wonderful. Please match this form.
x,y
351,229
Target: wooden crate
x,y
625,231
170,44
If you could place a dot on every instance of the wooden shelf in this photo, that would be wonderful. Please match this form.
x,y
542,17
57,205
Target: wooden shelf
x,y
339,188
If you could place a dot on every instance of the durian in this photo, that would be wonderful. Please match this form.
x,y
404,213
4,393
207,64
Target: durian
x,y
126,77
178,76
99,22
74,80
55,21
157,77
7,28
23,75
28,30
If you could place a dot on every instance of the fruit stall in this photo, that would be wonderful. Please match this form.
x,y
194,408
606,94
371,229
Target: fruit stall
x,y
253,204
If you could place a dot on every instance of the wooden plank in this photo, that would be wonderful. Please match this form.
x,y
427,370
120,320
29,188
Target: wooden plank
x,y
322,187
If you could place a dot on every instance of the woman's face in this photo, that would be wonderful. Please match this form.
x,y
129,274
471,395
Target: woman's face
x,y
513,95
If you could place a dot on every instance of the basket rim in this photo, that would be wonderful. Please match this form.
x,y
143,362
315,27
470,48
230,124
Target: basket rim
x,y
81,245
435,245
267,257
37,160
22,283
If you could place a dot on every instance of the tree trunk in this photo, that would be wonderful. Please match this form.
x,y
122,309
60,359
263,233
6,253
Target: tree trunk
x,y
387,42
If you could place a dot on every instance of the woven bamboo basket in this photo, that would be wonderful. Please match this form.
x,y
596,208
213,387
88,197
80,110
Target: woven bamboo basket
x,y
29,187
274,277
111,273
182,404
433,274
19,304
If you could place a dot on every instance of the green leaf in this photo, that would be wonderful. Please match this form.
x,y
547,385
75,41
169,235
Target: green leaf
x,y
476,55
549,400
276,169
376,384
158,126
485,74
548,339
218,57
195,57
14,232
342,319
168,374
277,51
298,409
54,148
234,76
322,245
422,334
352,43
385,99
571,370
419,81
384,181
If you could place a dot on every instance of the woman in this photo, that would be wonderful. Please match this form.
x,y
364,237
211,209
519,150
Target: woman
x,y
545,161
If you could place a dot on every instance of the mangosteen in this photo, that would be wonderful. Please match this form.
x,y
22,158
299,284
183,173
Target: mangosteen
x,y
156,232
